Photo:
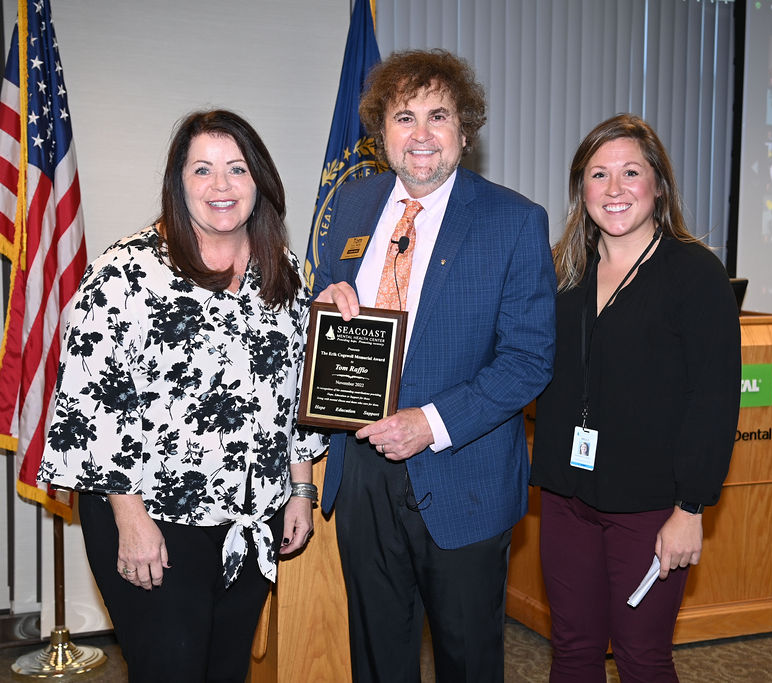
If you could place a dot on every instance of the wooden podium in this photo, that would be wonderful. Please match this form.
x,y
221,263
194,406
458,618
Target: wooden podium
x,y
308,624
730,592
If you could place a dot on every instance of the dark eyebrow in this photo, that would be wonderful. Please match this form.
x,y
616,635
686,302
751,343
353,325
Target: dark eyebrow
x,y
432,112
209,163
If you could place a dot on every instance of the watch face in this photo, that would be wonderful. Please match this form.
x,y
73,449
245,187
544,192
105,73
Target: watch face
x,y
693,508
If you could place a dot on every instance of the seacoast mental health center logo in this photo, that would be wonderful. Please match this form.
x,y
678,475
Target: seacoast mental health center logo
x,y
756,386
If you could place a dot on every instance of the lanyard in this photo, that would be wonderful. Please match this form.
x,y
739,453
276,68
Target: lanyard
x,y
587,346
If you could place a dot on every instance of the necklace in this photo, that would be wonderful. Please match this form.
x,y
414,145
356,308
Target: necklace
x,y
240,278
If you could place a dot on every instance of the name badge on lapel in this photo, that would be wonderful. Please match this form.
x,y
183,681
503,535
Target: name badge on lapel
x,y
355,247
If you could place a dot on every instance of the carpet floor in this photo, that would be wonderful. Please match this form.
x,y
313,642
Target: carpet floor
x,y
527,660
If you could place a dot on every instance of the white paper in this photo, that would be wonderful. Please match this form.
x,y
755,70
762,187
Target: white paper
x,y
648,582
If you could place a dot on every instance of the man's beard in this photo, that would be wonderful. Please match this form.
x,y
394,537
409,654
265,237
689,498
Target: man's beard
x,y
440,174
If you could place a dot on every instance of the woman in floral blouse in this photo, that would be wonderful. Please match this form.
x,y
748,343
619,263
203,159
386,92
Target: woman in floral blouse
x,y
176,404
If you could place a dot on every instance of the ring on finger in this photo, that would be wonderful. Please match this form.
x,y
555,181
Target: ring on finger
x,y
126,571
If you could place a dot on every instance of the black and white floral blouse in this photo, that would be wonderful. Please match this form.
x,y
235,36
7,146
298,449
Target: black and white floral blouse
x,y
175,392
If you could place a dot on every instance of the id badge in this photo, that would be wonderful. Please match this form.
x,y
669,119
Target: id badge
x,y
583,448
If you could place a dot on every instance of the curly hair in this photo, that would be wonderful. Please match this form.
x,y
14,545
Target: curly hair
x,y
580,238
400,77
265,227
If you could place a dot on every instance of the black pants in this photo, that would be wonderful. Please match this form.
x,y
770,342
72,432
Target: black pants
x,y
393,569
190,628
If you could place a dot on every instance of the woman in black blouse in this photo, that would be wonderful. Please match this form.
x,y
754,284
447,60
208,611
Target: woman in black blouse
x,y
647,373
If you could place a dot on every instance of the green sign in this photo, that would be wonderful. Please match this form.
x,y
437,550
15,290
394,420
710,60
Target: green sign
x,y
756,386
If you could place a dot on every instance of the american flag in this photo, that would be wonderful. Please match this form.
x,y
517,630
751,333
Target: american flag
x,y
41,233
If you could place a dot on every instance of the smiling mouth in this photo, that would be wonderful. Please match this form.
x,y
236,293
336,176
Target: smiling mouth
x,y
422,152
616,208
222,205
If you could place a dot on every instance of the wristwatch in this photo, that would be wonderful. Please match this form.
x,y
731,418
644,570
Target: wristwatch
x,y
693,508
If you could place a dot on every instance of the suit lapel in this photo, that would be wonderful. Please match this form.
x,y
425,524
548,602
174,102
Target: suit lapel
x,y
455,225
362,219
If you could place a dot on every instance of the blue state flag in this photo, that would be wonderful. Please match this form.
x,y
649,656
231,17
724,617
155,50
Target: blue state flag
x,y
350,152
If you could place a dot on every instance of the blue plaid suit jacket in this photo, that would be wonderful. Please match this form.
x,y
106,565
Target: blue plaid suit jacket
x,y
481,349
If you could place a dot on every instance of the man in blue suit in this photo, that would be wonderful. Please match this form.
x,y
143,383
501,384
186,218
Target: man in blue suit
x,y
426,498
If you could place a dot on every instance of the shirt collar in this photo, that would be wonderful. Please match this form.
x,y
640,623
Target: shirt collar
x,y
438,196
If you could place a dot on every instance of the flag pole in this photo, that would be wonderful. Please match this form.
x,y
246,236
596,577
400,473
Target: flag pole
x,y
61,655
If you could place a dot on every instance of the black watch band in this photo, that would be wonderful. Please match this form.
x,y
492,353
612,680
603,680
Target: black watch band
x,y
693,508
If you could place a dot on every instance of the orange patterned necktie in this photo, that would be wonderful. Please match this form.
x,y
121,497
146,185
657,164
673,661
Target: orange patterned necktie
x,y
395,278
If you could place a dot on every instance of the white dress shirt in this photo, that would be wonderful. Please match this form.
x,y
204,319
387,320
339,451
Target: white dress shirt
x,y
427,225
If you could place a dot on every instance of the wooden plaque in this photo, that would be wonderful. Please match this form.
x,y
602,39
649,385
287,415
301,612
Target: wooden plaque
x,y
352,369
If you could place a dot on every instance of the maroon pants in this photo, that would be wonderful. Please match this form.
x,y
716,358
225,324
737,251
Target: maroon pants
x,y
592,562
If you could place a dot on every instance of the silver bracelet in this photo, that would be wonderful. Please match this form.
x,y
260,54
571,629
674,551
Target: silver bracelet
x,y
305,490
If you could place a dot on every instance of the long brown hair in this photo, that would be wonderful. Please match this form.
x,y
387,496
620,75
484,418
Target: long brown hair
x,y
581,235
265,228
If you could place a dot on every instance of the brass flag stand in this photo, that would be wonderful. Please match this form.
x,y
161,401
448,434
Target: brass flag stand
x,y
61,656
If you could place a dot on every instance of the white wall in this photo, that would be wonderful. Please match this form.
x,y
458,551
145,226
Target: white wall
x,y
133,68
